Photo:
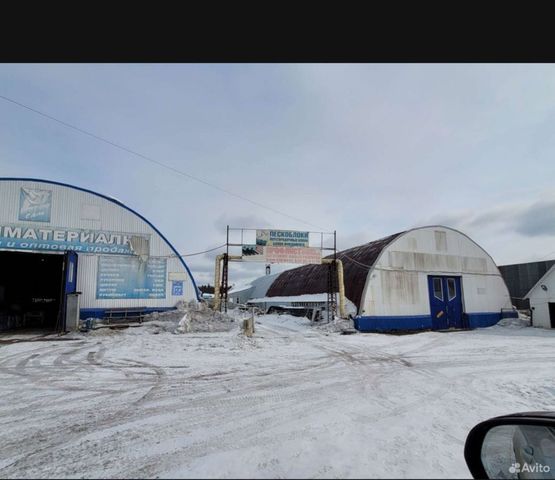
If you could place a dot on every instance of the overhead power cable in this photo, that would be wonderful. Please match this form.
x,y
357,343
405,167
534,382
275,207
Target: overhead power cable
x,y
152,160
173,255
200,253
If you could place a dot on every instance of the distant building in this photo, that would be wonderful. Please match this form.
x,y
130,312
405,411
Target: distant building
x,y
521,277
426,278
257,288
542,300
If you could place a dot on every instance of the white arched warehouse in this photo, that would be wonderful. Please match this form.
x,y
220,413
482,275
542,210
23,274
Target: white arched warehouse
x,y
56,239
432,277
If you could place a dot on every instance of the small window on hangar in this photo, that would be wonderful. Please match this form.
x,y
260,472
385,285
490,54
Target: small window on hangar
x,y
441,240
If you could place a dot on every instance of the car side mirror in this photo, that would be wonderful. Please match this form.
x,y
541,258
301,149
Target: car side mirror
x,y
516,446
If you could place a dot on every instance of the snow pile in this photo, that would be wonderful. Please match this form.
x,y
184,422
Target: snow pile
x,y
522,321
206,321
193,317
184,324
336,326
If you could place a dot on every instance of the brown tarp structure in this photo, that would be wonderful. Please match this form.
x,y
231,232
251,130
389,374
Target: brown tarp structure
x,y
310,279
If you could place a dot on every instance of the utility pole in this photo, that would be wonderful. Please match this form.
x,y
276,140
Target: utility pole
x,y
225,275
332,282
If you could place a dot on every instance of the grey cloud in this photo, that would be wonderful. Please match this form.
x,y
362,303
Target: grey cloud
x,y
449,220
536,220
533,220
497,216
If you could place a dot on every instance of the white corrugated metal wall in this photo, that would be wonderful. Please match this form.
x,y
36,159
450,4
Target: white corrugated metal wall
x,y
398,283
540,298
73,208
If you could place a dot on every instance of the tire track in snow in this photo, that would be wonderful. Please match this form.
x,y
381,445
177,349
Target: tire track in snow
x,y
66,433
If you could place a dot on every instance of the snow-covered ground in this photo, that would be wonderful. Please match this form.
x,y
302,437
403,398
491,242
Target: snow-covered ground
x,y
292,401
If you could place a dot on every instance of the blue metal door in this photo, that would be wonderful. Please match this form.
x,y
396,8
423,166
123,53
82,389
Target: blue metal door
x,y
70,272
453,301
445,302
69,284
437,303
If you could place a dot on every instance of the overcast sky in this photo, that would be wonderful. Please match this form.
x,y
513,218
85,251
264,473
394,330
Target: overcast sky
x,y
367,150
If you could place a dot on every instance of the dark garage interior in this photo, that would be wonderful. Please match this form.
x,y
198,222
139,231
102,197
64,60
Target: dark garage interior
x,y
30,290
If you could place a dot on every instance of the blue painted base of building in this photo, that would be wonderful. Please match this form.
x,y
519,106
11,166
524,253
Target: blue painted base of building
x,y
393,323
85,313
482,319
424,322
509,314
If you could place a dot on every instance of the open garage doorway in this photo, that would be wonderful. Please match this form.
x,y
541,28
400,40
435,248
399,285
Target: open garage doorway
x,y
31,291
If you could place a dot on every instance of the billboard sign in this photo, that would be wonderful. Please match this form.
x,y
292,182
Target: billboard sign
x,y
129,277
257,253
281,246
282,238
35,205
33,237
253,253
293,255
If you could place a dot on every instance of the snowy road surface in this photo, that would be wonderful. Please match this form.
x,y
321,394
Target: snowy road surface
x,y
290,402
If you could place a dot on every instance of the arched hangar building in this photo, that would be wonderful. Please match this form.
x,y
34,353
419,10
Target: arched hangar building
x,y
431,277
58,239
